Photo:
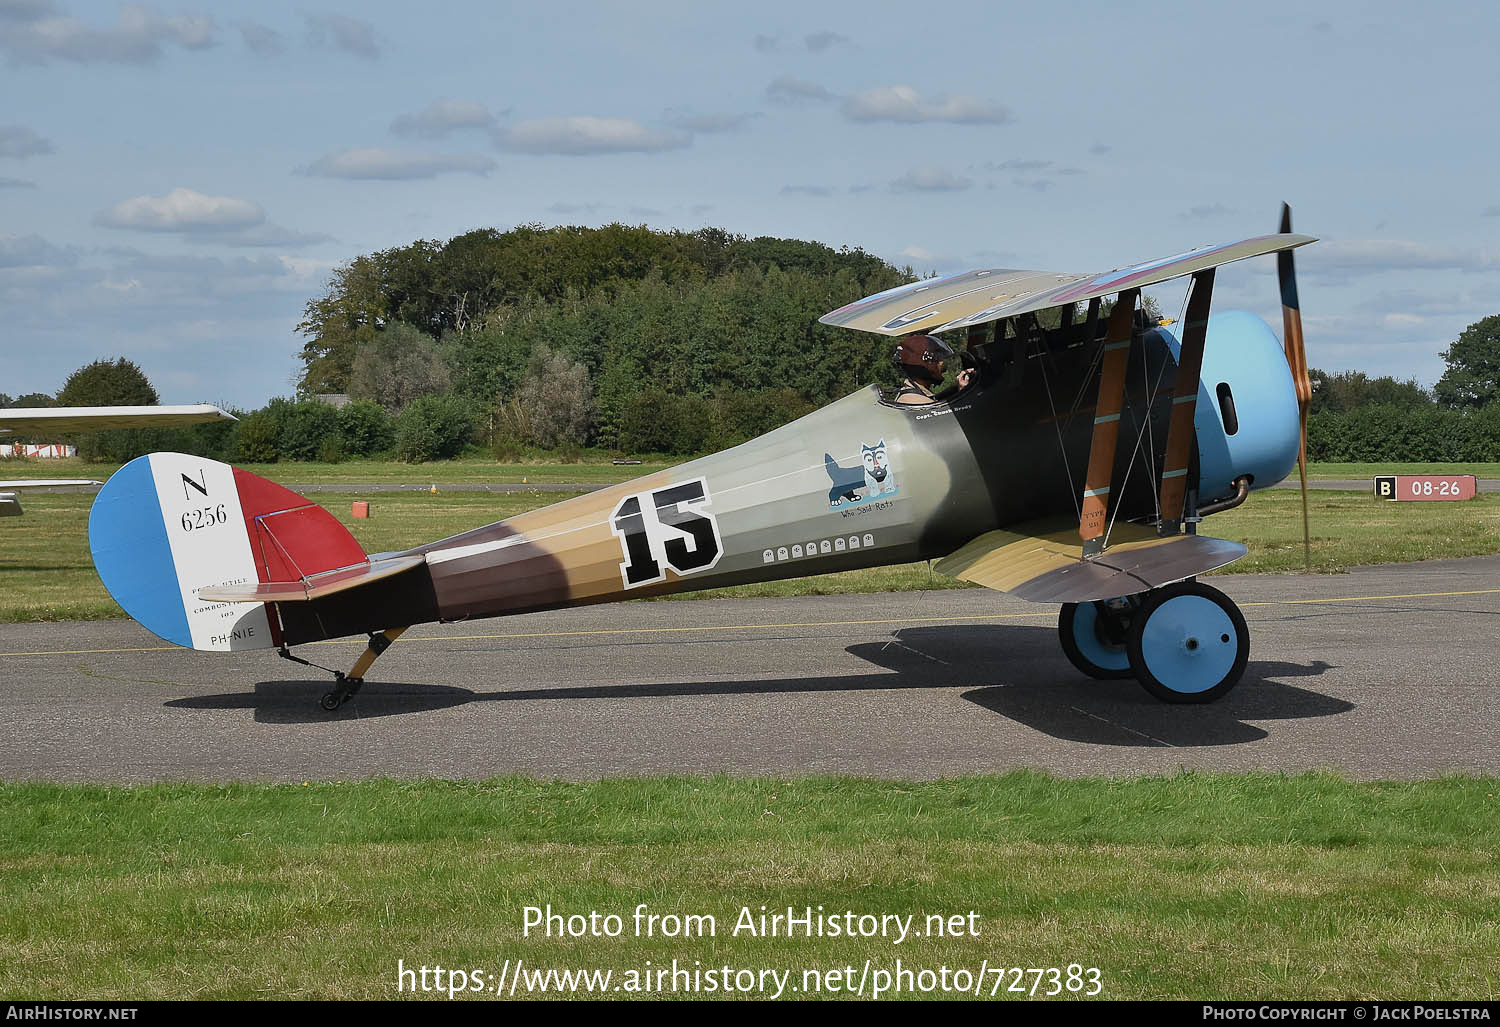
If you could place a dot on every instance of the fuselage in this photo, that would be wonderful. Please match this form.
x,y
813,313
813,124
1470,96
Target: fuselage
x,y
858,483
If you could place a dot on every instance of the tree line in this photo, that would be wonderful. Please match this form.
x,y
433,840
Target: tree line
x,y
619,337
1356,418
639,341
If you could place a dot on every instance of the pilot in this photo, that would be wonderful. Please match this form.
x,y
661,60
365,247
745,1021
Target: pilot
x,y
922,359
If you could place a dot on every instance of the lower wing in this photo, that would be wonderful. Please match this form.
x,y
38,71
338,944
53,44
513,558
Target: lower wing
x,y
1043,562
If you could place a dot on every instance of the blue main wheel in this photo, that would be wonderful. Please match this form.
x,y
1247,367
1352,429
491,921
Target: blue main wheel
x,y
1188,643
1094,635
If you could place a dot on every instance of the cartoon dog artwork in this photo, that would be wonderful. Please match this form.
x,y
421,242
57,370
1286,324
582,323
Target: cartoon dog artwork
x,y
874,476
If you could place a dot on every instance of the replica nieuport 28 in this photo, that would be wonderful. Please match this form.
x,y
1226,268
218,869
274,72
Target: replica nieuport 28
x,y
1074,467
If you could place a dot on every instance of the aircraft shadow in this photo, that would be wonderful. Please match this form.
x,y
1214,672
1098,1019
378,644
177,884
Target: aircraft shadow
x,y
1017,671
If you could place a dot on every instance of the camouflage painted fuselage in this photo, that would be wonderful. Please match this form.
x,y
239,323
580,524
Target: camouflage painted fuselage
x,y
858,483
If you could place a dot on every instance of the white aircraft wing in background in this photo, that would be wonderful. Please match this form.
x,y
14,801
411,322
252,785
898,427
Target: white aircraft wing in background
x,y
69,419
33,420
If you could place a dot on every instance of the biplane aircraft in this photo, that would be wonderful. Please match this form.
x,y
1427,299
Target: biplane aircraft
x,y
1074,467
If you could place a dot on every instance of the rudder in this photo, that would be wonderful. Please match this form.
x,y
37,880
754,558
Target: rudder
x,y
168,525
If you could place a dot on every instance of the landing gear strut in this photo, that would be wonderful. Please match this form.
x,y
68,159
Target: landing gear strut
x,y
346,686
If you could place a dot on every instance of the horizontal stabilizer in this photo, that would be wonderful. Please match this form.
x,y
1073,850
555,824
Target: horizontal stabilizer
x,y
1044,563
314,586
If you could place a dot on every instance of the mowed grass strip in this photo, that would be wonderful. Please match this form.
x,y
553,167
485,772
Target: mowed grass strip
x,y
48,575
1193,886
1366,470
590,470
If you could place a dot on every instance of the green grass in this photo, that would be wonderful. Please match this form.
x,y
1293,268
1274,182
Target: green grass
x,y
1351,529
1194,886
48,574
591,470
1334,470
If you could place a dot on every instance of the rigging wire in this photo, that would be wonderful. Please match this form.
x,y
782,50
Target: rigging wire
x,y
1152,392
1044,356
1150,451
1057,427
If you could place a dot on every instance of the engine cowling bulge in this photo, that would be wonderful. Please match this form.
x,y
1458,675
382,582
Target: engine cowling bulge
x,y
1246,417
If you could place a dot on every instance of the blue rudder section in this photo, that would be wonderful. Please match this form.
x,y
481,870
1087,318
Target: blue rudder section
x,y
132,555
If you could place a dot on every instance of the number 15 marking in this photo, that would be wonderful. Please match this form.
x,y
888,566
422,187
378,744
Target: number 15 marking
x,y
667,527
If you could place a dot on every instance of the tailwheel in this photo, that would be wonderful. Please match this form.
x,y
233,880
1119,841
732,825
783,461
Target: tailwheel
x,y
1188,643
1094,636
345,689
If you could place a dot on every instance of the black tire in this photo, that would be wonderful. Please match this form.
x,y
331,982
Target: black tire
x,y
1188,644
1075,627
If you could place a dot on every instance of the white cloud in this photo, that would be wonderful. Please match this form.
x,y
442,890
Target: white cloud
x,y
262,41
20,141
932,180
905,104
441,117
32,251
393,165
343,33
578,136
794,90
807,190
25,10
1205,211
36,35
182,210
1375,255
264,235
1017,164
706,124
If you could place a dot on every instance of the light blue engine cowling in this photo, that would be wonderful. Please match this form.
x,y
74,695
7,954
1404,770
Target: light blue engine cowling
x,y
1247,405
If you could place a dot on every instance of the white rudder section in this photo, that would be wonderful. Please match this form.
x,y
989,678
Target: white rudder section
x,y
205,525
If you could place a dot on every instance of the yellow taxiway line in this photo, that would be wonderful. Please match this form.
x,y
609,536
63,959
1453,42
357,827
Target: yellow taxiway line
x,y
754,627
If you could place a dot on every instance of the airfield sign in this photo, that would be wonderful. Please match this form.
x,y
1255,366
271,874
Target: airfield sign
x,y
1425,487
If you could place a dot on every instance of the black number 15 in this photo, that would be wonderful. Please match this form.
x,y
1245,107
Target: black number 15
x,y
672,526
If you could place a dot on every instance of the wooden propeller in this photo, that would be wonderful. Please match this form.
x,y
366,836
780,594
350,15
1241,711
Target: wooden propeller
x,y
1296,358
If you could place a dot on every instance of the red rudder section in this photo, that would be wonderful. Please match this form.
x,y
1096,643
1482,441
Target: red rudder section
x,y
291,536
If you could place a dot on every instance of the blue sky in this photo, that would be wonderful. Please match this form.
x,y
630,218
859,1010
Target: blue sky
x,y
177,182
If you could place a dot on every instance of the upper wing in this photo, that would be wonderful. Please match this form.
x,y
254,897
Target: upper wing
x,y
35,419
977,297
934,300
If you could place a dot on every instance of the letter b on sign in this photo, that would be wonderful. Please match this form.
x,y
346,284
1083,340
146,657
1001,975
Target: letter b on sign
x,y
1385,486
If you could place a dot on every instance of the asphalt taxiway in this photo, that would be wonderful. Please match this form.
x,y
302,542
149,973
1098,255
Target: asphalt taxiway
x,y
1385,672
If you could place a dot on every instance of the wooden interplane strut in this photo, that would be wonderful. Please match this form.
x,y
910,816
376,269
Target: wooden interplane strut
x,y
1096,484
1174,475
